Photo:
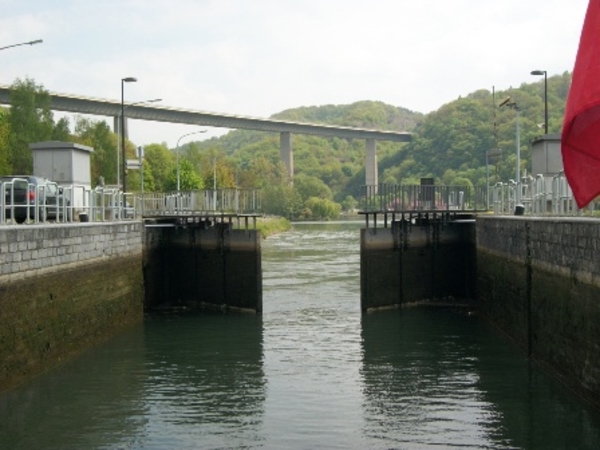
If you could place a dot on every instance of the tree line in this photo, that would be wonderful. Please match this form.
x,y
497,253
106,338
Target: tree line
x,y
449,145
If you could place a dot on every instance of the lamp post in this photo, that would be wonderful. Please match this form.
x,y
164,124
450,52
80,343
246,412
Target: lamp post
x,y
123,81
37,41
177,152
154,100
543,72
513,105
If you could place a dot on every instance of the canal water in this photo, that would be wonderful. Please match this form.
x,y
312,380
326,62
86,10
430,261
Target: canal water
x,y
311,373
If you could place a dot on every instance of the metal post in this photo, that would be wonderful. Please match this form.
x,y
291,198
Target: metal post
x,y
487,181
123,151
122,130
518,137
545,102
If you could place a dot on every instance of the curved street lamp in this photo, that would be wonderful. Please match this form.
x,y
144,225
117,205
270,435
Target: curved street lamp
x,y
154,100
543,72
123,81
37,41
177,152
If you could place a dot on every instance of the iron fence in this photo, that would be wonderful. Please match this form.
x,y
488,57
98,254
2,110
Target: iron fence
x,y
406,198
540,196
109,203
230,201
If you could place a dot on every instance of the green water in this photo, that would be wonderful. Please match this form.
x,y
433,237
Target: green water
x,y
312,372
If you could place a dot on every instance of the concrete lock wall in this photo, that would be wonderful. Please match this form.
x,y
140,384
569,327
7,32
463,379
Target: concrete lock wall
x,y
538,280
64,288
411,262
201,267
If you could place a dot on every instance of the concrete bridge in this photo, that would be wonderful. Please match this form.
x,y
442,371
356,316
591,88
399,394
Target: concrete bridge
x,y
112,108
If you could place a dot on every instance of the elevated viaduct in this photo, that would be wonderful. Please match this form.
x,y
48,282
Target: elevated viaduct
x,y
112,108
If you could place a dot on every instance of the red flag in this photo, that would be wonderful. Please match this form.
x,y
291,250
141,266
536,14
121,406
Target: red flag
x,y
580,140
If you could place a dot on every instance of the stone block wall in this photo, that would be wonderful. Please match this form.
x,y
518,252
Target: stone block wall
x,y
538,280
64,287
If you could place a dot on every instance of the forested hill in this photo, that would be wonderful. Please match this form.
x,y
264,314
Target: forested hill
x,y
364,114
449,144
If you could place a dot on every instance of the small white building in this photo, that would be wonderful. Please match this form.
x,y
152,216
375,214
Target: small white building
x,y
65,163
546,160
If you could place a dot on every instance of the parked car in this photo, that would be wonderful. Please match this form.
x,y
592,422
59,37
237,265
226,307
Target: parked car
x,y
24,192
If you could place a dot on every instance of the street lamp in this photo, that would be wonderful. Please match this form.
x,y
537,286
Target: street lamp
x,y
154,100
37,41
543,72
513,105
177,152
123,81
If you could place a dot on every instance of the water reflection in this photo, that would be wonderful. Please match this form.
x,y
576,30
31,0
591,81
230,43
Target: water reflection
x,y
169,383
439,378
94,401
313,372
205,377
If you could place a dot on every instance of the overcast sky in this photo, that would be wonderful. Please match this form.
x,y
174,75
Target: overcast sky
x,y
259,57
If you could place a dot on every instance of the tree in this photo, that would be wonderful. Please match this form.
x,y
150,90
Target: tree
x,y
5,166
30,120
161,162
311,186
98,135
188,178
281,200
349,203
322,208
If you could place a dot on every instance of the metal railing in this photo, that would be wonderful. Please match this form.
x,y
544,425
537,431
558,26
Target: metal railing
x,y
231,201
407,198
109,203
549,196
34,206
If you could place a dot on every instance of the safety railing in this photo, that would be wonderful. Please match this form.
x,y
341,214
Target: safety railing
x,y
34,203
407,198
551,196
233,201
70,203
106,203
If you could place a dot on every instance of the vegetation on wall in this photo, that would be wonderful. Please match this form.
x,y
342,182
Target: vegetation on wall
x,y
449,145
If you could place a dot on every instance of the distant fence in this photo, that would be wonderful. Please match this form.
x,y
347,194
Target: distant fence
x,y
429,198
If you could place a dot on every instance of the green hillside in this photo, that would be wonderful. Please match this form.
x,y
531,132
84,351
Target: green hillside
x,y
449,145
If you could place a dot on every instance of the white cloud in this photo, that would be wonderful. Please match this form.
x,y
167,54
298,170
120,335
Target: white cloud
x,y
260,57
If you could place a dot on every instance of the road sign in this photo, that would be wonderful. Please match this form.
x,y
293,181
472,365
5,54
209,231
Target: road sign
x,y
133,164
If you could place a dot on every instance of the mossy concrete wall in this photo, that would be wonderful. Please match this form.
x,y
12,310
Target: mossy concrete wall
x,y
538,280
63,288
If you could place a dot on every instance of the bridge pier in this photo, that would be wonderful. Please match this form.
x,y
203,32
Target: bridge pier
x,y
117,126
371,171
371,175
285,150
